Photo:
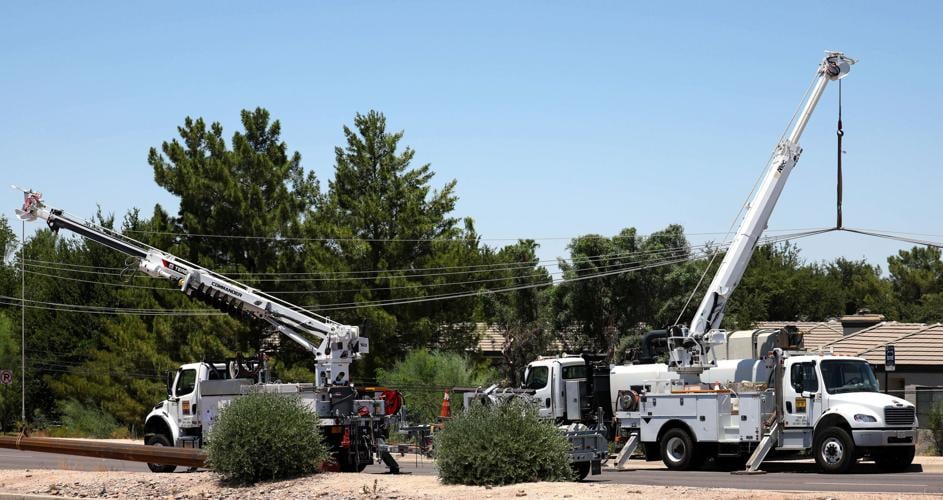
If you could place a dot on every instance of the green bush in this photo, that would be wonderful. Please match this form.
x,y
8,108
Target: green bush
x,y
501,444
423,375
263,436
935,425
79,420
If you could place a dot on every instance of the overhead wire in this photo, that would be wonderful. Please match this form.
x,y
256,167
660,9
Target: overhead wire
x,y
466,269
64,307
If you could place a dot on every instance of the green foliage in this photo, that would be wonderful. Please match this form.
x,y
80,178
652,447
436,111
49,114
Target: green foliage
x,y
605,309
501,444
9,360
79,420
917,279
522,315
935,424
777,284
265,436
423,376
391,221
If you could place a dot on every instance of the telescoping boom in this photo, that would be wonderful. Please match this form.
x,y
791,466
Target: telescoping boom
x,y
333,344
709,315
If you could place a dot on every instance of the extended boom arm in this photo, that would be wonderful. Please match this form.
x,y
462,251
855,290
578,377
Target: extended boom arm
x,y
711,311
334,345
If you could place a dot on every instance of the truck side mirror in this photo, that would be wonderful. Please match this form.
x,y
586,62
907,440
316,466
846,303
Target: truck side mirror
x,y
170,383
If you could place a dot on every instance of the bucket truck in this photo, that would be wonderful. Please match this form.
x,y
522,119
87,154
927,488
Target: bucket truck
x,y
353,422
742,395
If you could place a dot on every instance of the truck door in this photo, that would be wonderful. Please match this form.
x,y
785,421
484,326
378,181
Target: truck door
x,y
185,397
801,395
537,378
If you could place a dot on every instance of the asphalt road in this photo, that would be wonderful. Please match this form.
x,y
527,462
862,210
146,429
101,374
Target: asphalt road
x,y
782,476
779,476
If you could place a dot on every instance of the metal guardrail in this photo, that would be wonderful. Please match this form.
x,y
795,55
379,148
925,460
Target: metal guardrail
x,y
187,457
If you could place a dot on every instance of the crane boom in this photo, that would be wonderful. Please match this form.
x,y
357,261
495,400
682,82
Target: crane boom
x,y
709,315
333,344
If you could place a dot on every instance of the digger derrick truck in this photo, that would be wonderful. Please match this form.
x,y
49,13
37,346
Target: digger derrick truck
x,y
741,396
355,422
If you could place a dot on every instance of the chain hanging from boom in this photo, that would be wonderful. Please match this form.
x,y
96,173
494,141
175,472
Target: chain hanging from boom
x,y
840,133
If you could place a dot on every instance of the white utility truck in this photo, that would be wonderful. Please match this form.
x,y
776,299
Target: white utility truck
x,y
744,396
354,423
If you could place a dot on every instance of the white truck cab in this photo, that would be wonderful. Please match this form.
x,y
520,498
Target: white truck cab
x,y
176,420
559,385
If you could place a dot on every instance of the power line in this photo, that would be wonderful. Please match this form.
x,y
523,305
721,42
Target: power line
x,y
329,239
466,269
536,274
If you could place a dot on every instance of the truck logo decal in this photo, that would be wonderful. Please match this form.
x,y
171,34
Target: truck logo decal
x,y
226,289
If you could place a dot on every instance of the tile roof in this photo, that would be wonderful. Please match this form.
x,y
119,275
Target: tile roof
x,y
491,340
814,334
921,347
914,343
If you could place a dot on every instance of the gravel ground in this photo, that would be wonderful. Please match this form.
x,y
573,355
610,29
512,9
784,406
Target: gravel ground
x,y
205,485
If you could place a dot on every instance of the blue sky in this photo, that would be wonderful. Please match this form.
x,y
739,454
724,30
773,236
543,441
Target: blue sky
x,y
557,119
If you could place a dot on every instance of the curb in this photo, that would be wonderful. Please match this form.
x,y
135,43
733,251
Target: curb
x,y
28,496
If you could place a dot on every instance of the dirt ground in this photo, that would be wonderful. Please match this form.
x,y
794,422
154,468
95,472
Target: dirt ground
x,y
204,485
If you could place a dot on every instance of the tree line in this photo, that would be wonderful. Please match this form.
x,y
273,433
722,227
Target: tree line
x,y
381,247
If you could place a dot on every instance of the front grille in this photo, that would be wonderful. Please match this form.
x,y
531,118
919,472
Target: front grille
x,y
894,415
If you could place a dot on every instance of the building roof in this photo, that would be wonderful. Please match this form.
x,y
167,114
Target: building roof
x,y
491,340
921,347
814,334
914,343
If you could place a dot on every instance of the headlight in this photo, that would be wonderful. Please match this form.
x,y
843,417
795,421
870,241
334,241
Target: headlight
x,y
865,418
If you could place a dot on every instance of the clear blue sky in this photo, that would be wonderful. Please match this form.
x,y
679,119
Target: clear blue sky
x,y
556,118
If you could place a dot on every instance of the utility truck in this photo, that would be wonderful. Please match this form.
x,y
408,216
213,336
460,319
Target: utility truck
x,y
741,396
355,422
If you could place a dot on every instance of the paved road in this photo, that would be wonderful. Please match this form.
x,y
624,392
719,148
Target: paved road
x,y
787,476
782,476
15,459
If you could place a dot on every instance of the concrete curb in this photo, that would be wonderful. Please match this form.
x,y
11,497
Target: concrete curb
x,y
28,496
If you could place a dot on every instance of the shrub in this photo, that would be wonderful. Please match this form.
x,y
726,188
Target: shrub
x,y
79,420
935,425
263,436
423,375
501,444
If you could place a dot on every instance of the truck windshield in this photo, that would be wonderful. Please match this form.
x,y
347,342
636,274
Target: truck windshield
x,y
848,376
536,377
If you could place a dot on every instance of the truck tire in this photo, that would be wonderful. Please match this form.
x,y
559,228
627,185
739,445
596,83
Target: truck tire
x,y
834,450
894,458
159,440
678,450
347,465
580,470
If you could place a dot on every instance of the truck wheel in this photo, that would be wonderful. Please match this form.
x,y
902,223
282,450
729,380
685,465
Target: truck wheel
x,y
678,451
159,440
346,465
894,459
834,450
580,470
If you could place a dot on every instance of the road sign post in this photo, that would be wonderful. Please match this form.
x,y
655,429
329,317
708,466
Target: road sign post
x,y
890,364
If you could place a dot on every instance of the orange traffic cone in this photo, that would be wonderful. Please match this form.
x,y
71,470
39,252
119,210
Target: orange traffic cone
x,y
446,410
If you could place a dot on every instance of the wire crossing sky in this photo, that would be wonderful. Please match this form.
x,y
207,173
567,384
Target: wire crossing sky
x,y
557,119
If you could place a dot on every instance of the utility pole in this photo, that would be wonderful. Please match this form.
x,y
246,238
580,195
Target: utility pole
x,y
23,323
